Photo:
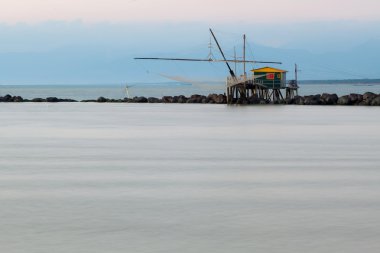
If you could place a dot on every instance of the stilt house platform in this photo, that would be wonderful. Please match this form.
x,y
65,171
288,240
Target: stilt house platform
x,y
264,84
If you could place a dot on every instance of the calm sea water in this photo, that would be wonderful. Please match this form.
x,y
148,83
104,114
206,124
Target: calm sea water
x,y
189,178
80,92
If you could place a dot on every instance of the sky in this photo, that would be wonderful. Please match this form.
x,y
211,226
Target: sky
x,y
13,11
83,41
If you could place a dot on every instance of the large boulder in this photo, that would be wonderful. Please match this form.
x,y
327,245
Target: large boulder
x,y
355,98
298,100
101,100
212,98
8,98
312,100
182,99
376,101
38,100
67,100
140,100
175,99
153,100
128,100
329,99
18,99
222,99
217,99
112,100
367,98
52,100
344,100
167,99
204,100
195,99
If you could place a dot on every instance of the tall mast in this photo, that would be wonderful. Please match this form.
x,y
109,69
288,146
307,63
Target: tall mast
x,y
210,55
296,73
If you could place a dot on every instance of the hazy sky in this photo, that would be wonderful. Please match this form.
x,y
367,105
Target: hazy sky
x,y
92,41
13,11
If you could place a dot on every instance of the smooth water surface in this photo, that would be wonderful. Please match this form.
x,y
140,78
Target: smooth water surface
x,y
188,178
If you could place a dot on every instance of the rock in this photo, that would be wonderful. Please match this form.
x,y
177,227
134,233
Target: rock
x,y
153,100
212,98
18,99
329,99
68,100
217,99
167,99
7,98
101,100
376,101
369,96
38,100
344,100
222,99
175,99
298,100
192,101
355,98
140,100
312,100
195,99
52,100
182,99
114,100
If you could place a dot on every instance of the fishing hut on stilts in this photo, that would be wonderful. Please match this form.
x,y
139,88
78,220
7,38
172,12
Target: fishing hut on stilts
x,y
264,84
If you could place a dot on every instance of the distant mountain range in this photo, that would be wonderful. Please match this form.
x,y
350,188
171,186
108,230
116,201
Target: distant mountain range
x,y
360,62
72,54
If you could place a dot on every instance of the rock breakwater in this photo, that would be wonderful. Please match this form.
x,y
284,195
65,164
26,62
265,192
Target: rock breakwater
x,y
366,99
